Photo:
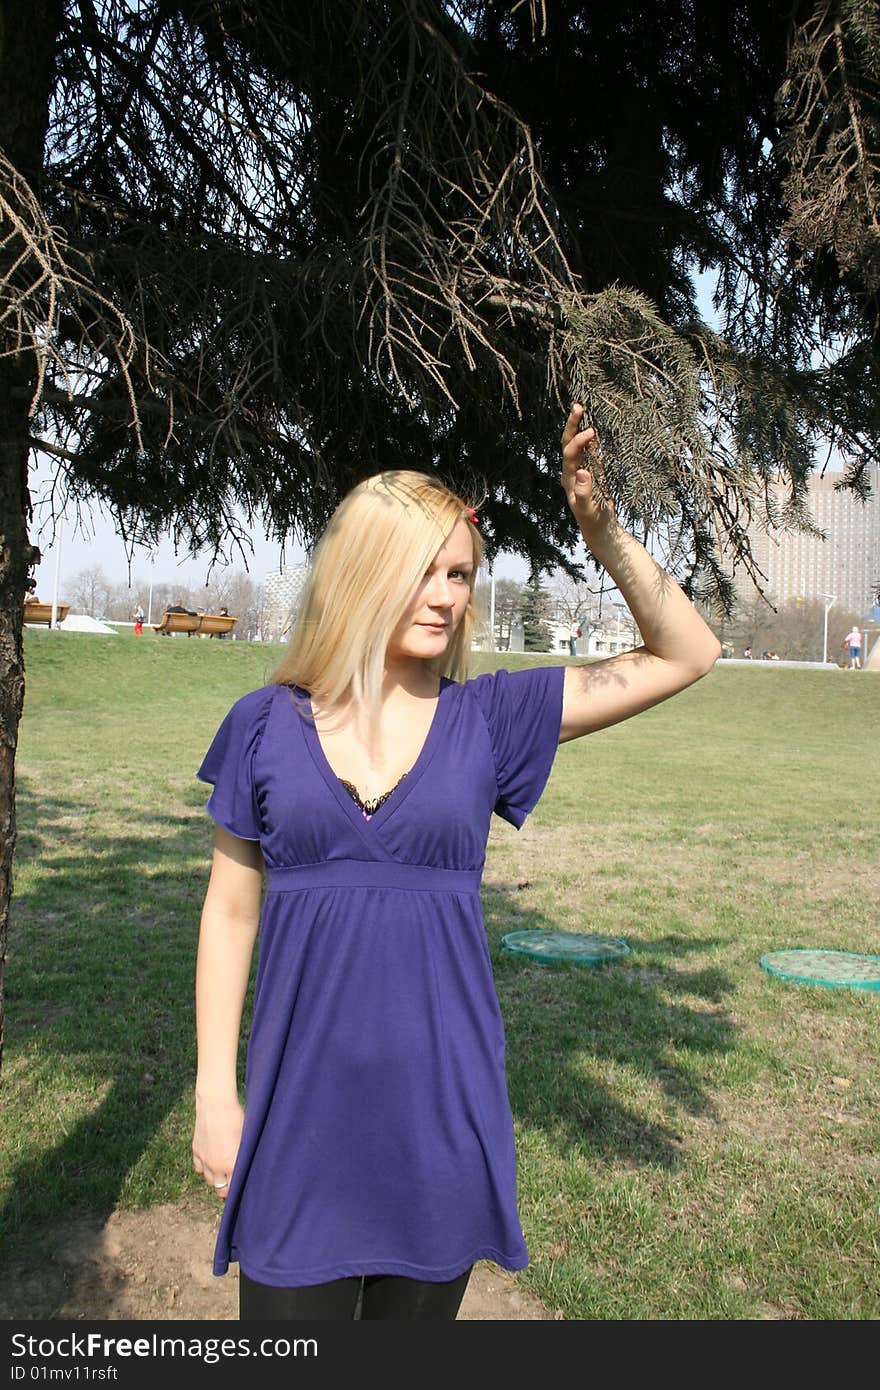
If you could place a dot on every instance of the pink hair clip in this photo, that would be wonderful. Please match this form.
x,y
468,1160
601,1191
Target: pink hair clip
x,y
471,515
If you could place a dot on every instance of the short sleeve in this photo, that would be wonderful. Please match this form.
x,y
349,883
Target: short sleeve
x,y
229,765
523,713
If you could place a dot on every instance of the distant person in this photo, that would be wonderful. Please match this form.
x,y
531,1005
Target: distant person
x,y
747,653
221,613
853,640
139,616
574,632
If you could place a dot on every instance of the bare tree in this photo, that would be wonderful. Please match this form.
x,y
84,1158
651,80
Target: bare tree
x,y
241,597
795,629
90,591
575,599
122,599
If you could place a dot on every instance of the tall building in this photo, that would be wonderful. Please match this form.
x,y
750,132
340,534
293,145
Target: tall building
x,y
846,563
283,590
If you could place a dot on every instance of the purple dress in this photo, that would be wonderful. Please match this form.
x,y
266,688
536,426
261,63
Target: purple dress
x,y
378,1137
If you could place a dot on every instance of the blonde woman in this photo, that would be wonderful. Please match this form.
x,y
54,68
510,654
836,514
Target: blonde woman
x,y
373,1163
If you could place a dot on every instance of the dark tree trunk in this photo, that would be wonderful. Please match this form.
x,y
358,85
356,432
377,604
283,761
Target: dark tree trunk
x,y
27,40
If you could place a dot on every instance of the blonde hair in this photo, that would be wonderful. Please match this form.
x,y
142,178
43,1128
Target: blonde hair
x,y
366,568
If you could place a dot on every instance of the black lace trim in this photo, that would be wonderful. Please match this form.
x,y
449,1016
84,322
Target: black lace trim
x,y
369,808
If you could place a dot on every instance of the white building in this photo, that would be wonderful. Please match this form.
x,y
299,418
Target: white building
x,y
846,563
603,637
283,590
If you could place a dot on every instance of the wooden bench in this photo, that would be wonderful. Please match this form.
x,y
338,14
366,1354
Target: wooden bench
x,y
35,612
217,624
209,624
177,622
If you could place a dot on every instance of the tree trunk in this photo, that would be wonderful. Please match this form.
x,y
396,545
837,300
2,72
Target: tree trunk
x,y
27,44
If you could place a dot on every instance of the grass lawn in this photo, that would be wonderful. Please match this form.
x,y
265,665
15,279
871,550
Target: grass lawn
x,y
696,1139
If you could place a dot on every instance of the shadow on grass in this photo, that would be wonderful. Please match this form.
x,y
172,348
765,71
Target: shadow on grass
x,y
100,995
100,1016
563,1019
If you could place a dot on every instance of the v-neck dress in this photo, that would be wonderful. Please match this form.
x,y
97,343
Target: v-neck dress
x,y
378,1136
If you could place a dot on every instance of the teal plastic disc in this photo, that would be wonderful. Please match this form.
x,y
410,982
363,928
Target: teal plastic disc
x,y
833,969
577,947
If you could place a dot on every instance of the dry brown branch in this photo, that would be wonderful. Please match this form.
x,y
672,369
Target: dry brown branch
x,y
832,147
43,282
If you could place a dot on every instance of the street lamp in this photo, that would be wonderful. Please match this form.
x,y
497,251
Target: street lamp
x,y
153,553
59,531
622,608
492,608
829,604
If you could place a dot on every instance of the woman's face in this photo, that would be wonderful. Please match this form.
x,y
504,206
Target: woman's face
x,y
439,603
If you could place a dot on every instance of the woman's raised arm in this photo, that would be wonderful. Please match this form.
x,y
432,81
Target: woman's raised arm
x,y
678,646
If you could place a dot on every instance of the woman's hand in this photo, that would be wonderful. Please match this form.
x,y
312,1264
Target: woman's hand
x,y
677,646
592,509
216,1139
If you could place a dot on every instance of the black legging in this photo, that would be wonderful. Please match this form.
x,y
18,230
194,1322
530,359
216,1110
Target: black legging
x,y
380,1296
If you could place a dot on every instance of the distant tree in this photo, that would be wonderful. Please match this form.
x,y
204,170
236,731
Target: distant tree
x,y
242,597
795,629
170,593
574,599
122,599
90,592
508,608
798,630
536,609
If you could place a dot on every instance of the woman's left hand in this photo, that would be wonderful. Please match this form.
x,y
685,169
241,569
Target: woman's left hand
x,y
591,508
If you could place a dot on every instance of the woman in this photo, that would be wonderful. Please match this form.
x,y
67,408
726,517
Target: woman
x,y
374,1162
853,640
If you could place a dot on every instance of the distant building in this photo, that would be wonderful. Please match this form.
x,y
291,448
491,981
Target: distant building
x,y
845,564
283,590
605,637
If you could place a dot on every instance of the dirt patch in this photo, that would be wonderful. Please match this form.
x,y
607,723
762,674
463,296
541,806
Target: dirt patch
x,y
156,1264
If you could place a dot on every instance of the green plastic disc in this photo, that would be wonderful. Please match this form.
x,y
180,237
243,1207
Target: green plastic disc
x,y
833,969
577,947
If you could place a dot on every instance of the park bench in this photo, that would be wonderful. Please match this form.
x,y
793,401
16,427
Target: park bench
x,y
217,624
36,612
209,624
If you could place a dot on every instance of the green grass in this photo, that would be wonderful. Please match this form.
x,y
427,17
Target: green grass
x,y
695,1139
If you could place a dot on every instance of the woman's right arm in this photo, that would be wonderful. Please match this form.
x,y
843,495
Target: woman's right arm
x,y
229,924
